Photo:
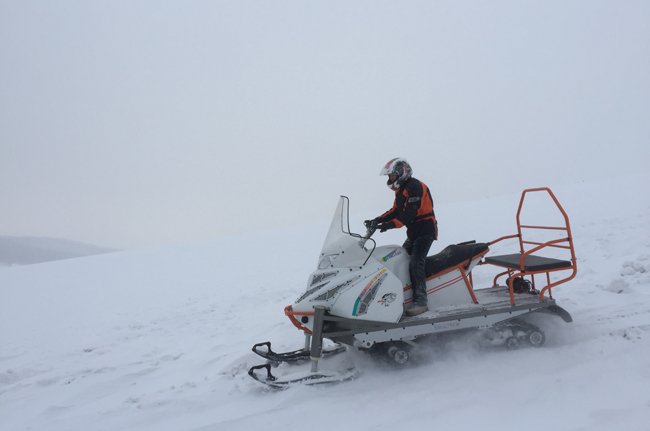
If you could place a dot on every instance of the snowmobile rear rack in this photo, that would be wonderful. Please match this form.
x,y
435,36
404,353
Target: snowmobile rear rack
x,y
526,263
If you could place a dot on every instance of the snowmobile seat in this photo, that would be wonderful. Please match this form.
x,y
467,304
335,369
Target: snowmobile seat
x,y
531,263
452,255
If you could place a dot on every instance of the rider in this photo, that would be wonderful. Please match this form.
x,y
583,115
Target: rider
x,y
413,208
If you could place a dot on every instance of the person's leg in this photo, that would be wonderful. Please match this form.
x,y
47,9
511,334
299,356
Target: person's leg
x,y
421,247
408,245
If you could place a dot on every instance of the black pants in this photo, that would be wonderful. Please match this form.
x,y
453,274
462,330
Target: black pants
x,y
418,250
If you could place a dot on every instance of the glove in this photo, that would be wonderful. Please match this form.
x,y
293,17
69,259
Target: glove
x,y
385,226
371,224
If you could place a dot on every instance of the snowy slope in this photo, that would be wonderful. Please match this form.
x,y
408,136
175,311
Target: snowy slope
x,y
26,250
160,339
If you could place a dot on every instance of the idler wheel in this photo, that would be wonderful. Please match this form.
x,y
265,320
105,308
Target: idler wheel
x,y
536,338
399,355
512,343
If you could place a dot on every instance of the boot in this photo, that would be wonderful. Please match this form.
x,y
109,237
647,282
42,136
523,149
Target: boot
x,y
416,309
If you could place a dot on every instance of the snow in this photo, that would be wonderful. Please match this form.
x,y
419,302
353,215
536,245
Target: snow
x,y
160,339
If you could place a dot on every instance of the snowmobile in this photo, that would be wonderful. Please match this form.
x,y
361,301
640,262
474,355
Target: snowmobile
x,y
358,294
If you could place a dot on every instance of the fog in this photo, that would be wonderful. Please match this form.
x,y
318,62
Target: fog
x,y
143,123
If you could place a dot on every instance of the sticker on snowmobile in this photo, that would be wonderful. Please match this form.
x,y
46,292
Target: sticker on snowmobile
x,y
368,294
445,325
391,255
387,299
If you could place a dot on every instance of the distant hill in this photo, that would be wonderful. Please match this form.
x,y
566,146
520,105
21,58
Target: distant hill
x,y
26,250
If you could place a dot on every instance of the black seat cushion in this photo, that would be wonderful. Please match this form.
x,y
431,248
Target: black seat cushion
x,y
451,256
531,263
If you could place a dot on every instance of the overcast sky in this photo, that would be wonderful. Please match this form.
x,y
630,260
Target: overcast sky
x,y
143,123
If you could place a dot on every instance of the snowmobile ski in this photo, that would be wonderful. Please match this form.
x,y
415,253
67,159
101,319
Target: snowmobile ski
x,y
294,356
301,378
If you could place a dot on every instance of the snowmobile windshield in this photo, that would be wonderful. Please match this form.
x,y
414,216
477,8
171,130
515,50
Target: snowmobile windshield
x,y
339,228
339,238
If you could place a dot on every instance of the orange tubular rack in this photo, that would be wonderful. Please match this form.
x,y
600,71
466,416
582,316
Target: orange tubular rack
x,y
526,263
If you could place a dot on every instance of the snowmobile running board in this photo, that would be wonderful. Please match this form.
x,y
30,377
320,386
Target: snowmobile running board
x,y
494,305
343,330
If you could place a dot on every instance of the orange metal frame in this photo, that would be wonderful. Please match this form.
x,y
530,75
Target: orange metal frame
x,y
291,315
554,243
462,267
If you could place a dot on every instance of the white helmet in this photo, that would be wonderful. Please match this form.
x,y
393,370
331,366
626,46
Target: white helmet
x,y
399,167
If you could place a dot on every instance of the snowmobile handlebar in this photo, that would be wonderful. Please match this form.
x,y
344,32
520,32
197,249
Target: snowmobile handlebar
x,y
362,241
370,232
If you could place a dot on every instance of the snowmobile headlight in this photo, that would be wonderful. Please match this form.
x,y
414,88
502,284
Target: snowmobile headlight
x,y
326,261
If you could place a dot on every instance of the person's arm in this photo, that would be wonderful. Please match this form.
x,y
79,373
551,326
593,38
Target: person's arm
x,y
383,222
388,215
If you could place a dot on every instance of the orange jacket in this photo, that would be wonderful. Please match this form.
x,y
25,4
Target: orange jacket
x,y
413,208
